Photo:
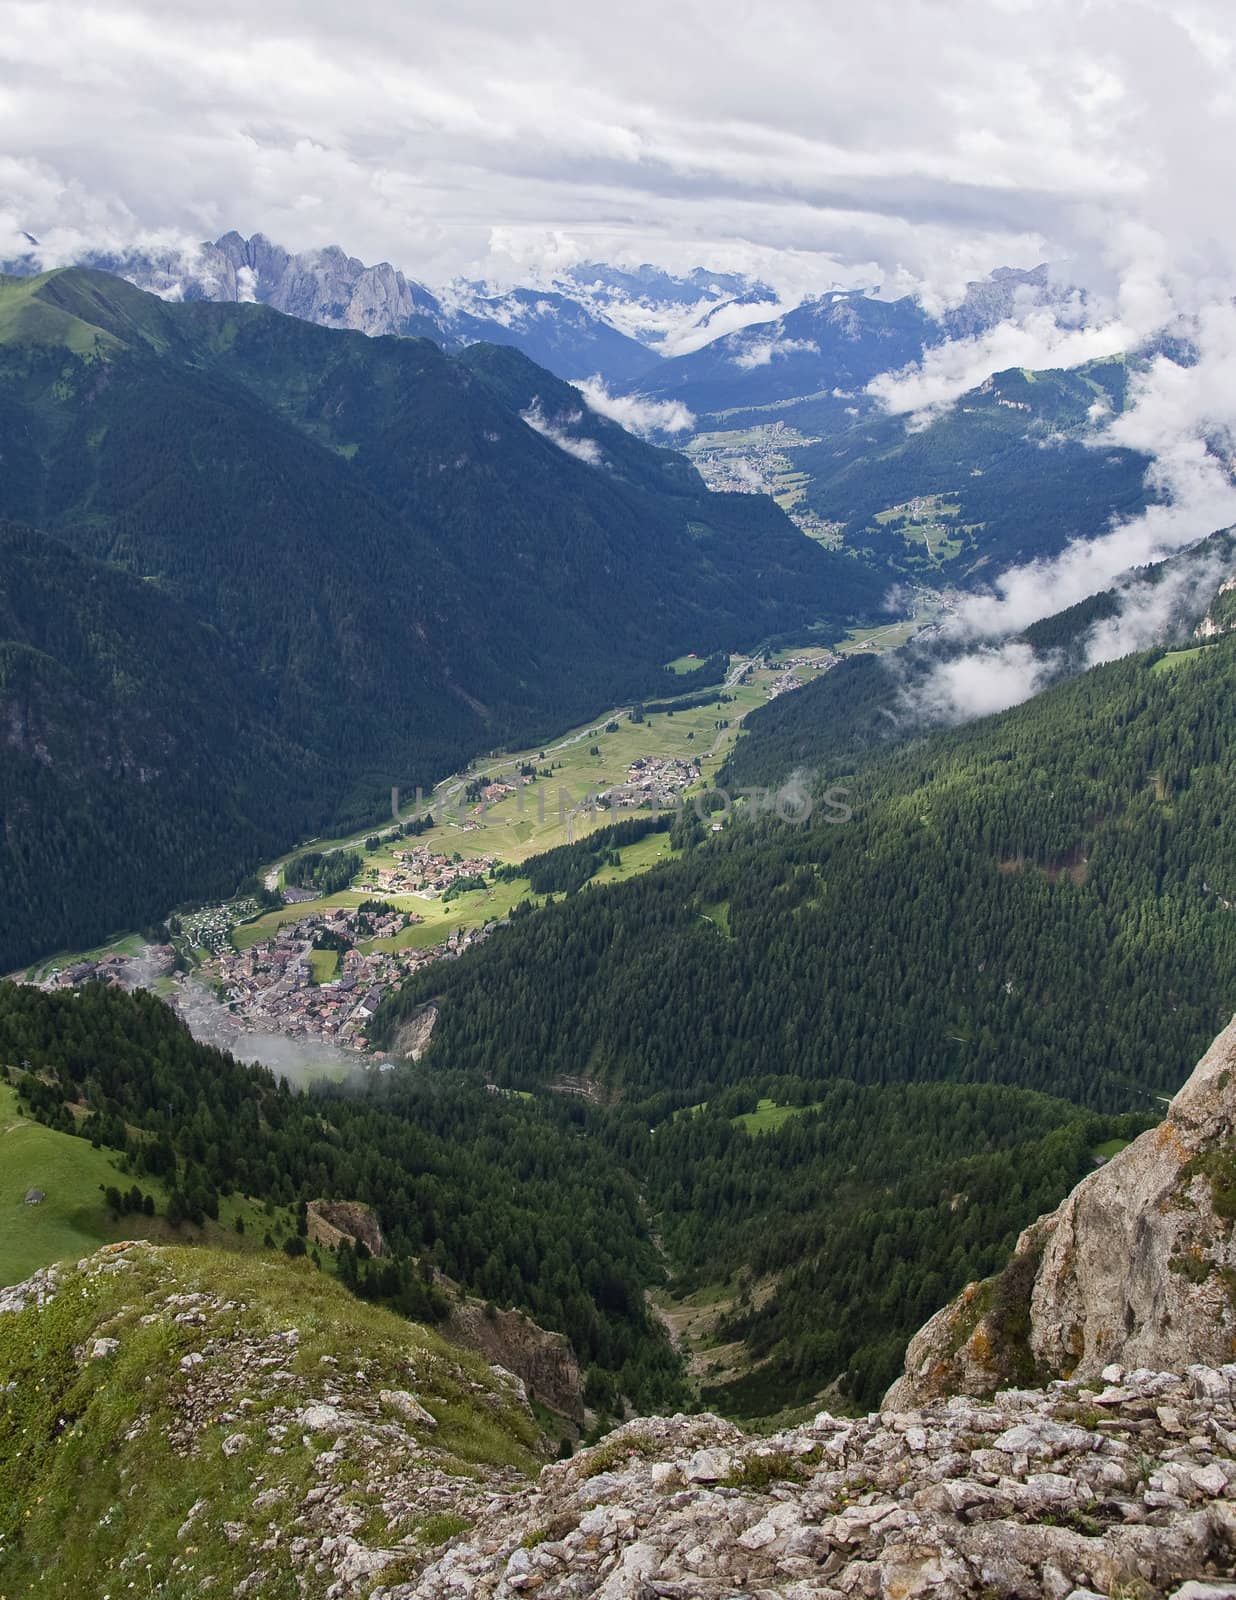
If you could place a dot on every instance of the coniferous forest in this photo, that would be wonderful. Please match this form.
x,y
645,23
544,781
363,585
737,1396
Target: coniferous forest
x,y
1023,932
834,1068
821,1072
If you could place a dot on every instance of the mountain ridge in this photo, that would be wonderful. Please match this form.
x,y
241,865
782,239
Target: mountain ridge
x,y
404,569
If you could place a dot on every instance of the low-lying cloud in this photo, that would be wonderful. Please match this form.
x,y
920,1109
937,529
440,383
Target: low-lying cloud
x,y
1181,413
979,683
996,676
636,413
714,322
947,371
555,430
762,352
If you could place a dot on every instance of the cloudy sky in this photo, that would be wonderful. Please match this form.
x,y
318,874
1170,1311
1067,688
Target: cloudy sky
x,y
910,142
907,144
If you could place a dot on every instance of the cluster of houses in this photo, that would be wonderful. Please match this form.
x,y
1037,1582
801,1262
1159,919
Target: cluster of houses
x,y
813,663
423,872
788,674
656,781
752,464
271,986
120,971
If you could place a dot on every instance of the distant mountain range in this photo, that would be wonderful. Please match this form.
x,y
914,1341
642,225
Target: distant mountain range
x,y
716,342
811,365
597,320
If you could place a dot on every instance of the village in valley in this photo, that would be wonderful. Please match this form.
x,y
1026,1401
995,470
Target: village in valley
x,y
278,985
312,963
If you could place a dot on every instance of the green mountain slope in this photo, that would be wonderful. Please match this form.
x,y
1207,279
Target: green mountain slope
x,y
139,753
1038,903
500,1194
397,569
1000,478
868,702
142,1387
901,1036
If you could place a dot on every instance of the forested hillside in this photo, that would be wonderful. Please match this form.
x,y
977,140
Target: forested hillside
x,y
1038,903
871,702
902,1036
500,1195
1011,472
132,734
378,564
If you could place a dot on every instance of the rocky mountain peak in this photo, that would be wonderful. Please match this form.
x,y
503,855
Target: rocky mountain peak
x,y
1137,1266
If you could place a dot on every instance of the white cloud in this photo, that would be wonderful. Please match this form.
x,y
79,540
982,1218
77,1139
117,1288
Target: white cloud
x,y
1182,414
995,676
761,352
948,371
555,430
1150,613
635,413
707,321
979,683
441,140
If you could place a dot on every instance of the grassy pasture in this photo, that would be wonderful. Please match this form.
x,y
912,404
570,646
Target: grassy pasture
x,y
73,1219
768,1117
1176,658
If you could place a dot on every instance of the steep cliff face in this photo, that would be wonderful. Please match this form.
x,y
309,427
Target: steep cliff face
x,y
325,286
543,1362
1137,1266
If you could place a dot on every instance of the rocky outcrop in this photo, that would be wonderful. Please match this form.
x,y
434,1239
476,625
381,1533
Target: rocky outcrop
x,y
1138,1265
543,1362
1122,1489
308,1445
332,1222
324,286
1221,616
416,1034
246,1418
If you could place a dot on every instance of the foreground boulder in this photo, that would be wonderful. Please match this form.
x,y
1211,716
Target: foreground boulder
x,y
1137,1265
1119,1488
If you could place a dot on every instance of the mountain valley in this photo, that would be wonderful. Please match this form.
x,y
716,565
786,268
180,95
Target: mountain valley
x,y
174,444
617,802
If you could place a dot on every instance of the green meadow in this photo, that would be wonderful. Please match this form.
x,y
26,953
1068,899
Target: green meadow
x,y
552,810
768,1117
73,1219
1177,658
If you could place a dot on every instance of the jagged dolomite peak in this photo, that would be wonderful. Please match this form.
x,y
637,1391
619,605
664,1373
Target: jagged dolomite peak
x,y
1137,1265
325,286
